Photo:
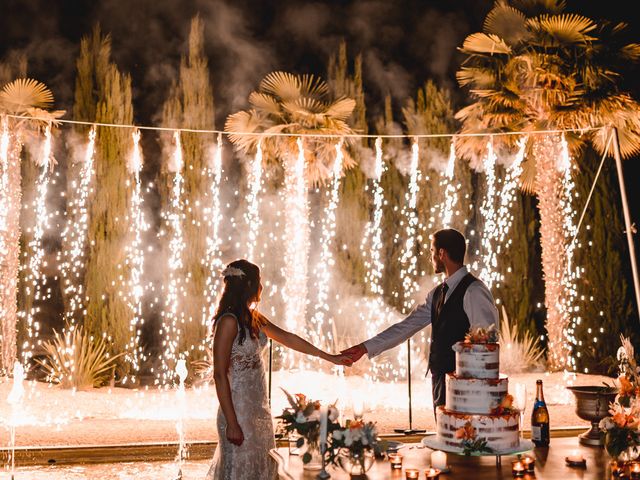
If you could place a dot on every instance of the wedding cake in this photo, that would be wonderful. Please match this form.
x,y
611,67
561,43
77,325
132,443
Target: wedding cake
x,y
478,414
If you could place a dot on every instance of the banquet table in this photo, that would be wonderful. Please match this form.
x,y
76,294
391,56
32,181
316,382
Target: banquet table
x,y
550,464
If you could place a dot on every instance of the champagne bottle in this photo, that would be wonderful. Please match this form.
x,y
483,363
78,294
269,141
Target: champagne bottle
x,y
540,419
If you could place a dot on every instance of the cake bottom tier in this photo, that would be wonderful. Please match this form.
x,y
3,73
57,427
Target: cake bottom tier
x,y
501,432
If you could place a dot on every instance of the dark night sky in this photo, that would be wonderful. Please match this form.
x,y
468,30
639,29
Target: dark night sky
x,y
403,43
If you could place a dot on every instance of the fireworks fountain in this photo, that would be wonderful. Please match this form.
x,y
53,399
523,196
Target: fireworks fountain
x,y
213,215
252,215
15,400
322,272
171,317
447,207
75,234
135,259
181,371
35,279
489,272
296,206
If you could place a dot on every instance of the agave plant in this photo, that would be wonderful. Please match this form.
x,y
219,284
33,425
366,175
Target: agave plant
x,y
534,67
518,352
22,111
294,104
77,360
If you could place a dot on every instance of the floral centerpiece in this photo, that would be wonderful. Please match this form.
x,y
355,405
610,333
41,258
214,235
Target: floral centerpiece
x,y
482,335
621,428
352,447
471,443
303,418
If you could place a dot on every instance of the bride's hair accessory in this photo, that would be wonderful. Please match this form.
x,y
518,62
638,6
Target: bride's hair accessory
x,y
232,272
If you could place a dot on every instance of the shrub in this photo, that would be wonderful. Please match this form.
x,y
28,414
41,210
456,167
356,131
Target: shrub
x,y
518,352
77,360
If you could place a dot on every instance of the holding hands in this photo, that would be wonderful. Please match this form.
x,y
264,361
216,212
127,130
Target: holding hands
x,y
355,353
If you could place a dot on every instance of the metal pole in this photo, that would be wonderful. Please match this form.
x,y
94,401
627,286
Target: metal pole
x,y
409,382
270,367
627,217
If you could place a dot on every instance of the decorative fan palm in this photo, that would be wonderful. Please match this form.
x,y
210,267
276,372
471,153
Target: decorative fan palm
x,y
28,97
294,104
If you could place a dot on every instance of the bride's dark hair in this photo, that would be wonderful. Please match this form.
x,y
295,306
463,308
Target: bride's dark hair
x,y
239,291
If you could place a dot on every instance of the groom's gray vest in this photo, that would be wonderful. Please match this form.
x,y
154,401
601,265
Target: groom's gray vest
x,y
449,327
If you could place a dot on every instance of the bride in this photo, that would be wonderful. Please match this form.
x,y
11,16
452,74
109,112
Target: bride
x,y
245,428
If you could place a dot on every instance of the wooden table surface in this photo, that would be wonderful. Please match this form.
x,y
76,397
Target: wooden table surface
x,y
550,464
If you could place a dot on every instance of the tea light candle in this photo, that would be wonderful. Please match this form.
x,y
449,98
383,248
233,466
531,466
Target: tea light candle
x,y
395,459
529,463
615,468
411,473
432,474
439,460
517,468
576,460
634,471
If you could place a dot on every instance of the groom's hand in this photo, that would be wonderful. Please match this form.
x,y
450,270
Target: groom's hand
x,y
356,352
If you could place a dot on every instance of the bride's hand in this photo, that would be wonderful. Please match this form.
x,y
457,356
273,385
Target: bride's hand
x,y
234,434
340,359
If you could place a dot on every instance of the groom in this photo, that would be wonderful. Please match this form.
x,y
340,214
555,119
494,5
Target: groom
x,y
459,303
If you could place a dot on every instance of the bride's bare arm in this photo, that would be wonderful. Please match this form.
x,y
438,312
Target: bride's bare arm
x,y
293,341
225,334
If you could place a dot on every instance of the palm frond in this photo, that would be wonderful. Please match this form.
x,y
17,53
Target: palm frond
x,y
631,52
341,109
264,102
313,86
477,77
284,85
565,28
485,43
240,125
24,93
507,23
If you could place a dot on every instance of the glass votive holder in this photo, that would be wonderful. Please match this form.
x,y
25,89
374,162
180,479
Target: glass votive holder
x,y
576,460
529,463
432,474
518,469
634,470
395,460
615,468
411,473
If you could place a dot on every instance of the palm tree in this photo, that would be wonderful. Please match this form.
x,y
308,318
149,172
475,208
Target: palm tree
x,y
299,105
294,104
25,98
534,67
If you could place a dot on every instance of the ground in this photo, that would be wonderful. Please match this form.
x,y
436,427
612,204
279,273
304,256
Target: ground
x,y
50,416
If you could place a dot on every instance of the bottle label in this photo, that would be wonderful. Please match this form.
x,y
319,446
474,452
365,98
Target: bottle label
x,y
536,433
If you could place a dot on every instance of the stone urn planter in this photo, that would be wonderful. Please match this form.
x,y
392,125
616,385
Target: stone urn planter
x,y
592,404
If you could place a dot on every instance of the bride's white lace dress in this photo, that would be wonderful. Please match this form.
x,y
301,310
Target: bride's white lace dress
x,y
250,460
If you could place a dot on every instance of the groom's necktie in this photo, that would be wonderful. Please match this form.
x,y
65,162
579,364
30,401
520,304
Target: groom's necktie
x,y
443,295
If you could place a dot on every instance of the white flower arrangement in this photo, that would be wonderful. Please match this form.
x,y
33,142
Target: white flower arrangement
x,y
232,272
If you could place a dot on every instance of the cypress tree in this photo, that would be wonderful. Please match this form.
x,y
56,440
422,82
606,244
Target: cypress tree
x,y
353,209
103,94
190,105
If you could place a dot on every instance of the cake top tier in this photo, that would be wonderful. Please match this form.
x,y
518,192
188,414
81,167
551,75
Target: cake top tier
x,y
482,335
476,347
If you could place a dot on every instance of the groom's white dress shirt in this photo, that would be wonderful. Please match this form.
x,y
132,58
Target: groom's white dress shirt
x,y
477,304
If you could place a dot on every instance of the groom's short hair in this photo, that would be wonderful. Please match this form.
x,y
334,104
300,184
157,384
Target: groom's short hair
x,y
453,242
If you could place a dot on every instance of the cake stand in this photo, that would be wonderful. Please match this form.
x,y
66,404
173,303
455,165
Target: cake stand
x,y
433,443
